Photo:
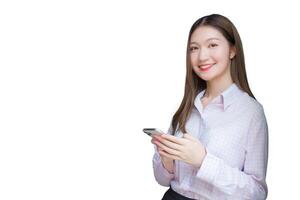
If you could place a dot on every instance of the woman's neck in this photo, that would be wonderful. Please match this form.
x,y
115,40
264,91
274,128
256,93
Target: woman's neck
x,y
215,88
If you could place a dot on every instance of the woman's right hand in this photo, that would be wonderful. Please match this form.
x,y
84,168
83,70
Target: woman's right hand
x,y
168,163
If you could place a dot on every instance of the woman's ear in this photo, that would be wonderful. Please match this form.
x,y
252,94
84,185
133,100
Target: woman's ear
x,y
232,52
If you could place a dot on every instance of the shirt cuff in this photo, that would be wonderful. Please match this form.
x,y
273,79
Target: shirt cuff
x,y
209,168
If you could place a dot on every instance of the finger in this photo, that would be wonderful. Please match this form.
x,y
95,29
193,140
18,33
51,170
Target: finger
x,y
173,138
153,140
171,145
156,136
165,154
159,149
167,149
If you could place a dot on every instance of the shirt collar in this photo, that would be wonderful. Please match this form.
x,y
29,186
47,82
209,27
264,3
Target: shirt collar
x,y
226,98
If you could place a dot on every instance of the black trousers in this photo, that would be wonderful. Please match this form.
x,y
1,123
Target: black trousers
x,y
172,195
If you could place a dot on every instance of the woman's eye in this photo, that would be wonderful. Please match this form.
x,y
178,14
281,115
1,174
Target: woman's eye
x,y
193,48
212,45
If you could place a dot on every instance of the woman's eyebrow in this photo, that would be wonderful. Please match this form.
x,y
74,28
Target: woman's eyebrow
x,y
213,38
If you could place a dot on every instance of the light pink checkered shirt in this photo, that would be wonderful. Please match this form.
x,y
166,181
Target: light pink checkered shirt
x,y
234,130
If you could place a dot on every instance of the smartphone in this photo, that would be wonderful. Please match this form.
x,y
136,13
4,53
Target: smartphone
x,y
151,131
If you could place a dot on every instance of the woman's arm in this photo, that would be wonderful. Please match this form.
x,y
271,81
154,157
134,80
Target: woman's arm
x,y
250,182
161,174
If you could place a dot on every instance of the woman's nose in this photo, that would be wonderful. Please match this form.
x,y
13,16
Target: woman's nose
x,y
203,55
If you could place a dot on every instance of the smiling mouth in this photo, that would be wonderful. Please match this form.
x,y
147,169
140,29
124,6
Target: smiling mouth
x,y
206,67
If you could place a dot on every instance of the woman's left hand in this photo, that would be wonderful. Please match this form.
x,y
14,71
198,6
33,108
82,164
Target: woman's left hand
x,y
187,149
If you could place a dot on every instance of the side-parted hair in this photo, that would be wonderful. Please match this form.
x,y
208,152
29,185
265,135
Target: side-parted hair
x,y
194,84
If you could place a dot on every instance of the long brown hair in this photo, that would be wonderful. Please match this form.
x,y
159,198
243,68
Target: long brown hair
x,y
194,84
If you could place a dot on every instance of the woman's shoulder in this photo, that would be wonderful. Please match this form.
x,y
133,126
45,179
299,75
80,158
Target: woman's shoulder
x,y
252,105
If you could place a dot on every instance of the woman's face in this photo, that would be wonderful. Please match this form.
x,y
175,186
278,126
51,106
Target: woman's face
x,y
210,54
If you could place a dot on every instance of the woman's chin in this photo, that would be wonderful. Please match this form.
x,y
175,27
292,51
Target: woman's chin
x,y
205,77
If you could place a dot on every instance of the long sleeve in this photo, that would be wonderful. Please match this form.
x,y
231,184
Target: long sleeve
x,y
248,183
162,176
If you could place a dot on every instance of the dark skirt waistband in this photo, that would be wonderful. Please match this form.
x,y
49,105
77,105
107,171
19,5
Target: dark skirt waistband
x,y
172,195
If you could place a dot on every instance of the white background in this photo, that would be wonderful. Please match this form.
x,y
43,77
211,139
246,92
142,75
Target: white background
x,y
79,80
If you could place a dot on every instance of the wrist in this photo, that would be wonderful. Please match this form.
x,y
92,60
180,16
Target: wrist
x,y
169,167
198,165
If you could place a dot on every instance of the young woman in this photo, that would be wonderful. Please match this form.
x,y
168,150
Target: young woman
x,y
217,143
